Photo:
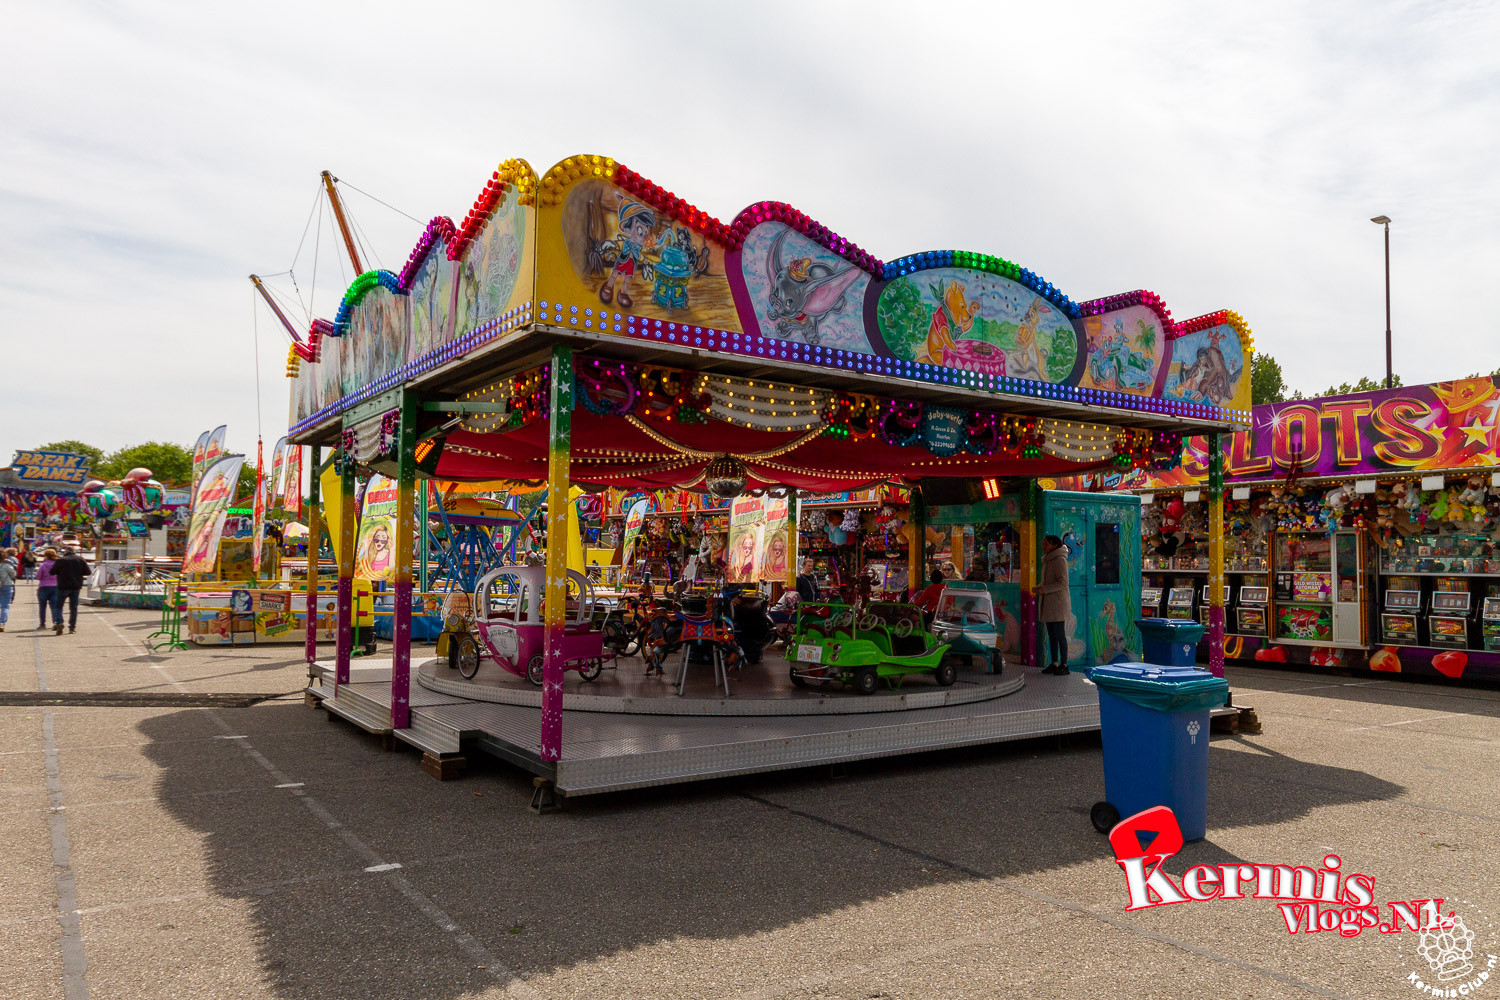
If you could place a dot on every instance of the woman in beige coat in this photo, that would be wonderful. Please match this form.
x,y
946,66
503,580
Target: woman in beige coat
x,y
1055,603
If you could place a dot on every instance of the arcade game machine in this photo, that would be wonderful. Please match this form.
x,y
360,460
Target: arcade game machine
x,y
1451,615
1250,614
1151,602
1203,605
1181,603
1489,620
1401,611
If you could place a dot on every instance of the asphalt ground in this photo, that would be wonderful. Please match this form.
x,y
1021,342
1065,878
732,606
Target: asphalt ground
x,y
268,851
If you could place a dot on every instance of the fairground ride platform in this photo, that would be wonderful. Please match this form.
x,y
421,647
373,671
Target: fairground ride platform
x,y
616,750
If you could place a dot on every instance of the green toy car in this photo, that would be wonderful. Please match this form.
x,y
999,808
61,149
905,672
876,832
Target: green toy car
x,y
886,642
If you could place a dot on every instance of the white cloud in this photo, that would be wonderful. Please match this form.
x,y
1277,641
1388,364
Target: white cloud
x,y
155,155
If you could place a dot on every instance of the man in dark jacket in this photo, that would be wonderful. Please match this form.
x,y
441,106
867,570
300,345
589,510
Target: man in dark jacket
x,y
71,571
807,582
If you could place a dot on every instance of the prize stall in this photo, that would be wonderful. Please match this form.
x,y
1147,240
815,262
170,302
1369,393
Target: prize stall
x,y
1363,531
588,330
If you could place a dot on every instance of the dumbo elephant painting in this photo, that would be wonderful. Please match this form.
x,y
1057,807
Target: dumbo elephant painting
x,y
804,292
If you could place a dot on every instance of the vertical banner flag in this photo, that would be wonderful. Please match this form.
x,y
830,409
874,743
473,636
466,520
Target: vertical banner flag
x,y
375,548
199,449
211,502
213,447
774,557
633,523
747,517
258,509
291,494
277,489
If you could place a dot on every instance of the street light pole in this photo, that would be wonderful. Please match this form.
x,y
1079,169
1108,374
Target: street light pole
x,y
1385,220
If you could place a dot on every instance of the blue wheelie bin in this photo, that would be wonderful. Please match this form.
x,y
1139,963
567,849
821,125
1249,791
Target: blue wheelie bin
x,y
1154,724
1169,642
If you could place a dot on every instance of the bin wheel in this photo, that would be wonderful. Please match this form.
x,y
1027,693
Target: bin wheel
x,y
463,655
945,674
1104,816
866,680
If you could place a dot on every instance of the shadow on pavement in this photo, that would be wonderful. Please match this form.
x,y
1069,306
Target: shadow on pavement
x,y
613,873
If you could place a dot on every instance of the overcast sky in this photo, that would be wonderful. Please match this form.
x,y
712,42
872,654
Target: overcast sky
x,y
152,156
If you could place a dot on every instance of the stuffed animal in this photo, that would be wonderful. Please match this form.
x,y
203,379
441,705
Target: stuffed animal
x,y
1474,496
1440,506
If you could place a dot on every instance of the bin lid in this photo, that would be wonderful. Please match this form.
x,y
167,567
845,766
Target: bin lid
x,y
1170,629
1164,689
1150,671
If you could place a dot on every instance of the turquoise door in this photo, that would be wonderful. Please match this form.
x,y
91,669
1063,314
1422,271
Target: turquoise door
x,y
1102,536
1072,522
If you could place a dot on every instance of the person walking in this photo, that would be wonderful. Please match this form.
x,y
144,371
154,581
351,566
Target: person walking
x,y
1056,601
28,562
9,567
46,589
71,570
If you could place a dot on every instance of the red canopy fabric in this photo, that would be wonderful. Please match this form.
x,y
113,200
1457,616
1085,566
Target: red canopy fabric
x,y
615,451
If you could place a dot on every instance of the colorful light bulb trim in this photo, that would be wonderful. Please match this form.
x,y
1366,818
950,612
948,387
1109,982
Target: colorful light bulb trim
x,y
1124,300
507,321
776,211
440,228
511,173
1224,317
551,190
912,263
587,317
358,289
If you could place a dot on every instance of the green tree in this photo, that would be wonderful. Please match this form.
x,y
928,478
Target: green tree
x,y
1365,384
96,455
1267,384
171,464
245,490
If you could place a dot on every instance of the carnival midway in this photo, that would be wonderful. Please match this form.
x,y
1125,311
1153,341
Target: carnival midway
x,y
596,476
614,596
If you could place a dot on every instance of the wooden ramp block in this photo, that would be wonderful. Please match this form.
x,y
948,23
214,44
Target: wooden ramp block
x,y
444,768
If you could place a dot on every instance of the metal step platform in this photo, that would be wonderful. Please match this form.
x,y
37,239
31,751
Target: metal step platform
x,y
613,751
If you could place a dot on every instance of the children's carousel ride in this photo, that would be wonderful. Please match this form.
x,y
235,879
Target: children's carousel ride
x,y
588,328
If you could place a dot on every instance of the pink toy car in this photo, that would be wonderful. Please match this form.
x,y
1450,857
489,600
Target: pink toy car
x,y
508,620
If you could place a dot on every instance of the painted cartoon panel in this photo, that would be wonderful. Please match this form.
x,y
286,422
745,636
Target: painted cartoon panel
x,y
307,391
1125,351
330,386
803,292
375,343
628,256
430,295
1208,366
976,321
496,271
